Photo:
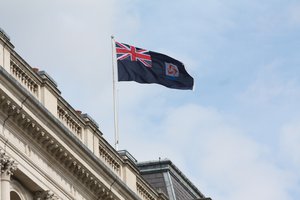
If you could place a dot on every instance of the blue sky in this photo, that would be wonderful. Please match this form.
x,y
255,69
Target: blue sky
x,y
237,136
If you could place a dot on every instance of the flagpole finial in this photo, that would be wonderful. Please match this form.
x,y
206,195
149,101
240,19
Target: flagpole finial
x,y
112,37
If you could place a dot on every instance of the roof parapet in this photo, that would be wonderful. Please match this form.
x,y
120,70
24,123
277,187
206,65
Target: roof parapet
x,y
88,118
126,155
45,76
4,34
5,37
90,121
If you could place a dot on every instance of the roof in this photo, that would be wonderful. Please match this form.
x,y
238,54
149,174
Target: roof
x,y
165,165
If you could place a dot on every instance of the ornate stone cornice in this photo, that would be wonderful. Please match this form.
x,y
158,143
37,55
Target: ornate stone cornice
x,y
54,148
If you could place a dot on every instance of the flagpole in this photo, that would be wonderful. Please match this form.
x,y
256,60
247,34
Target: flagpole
x,y
116,128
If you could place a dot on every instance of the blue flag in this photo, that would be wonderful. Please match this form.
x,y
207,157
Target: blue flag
x,y
142,66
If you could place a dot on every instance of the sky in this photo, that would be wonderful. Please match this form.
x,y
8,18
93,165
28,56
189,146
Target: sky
x,y
236,136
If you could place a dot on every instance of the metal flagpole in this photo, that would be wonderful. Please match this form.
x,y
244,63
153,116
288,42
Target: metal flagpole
x,y
116,128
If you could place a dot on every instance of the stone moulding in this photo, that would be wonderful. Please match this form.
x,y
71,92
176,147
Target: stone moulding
x,y
54,148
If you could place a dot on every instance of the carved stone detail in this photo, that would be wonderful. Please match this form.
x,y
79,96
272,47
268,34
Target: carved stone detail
x,y
7,165
45,195
53,147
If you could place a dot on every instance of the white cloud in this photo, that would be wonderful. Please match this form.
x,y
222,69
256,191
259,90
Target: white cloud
x,y
236,167
294,14
70,40
269,87
227,163
290,143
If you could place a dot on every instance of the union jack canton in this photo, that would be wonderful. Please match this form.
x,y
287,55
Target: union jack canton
x,y
134,54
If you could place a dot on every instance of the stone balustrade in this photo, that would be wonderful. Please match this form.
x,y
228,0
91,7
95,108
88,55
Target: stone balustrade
x,y
24,78
70,121
109,159
144,191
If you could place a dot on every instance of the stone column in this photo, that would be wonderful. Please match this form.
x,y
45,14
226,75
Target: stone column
x,y
7,167
2,161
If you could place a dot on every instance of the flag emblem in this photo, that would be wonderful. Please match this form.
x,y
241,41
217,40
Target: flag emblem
x,y
135,54
172,70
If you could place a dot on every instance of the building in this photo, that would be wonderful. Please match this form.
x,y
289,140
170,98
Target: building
x,y
48,150
164,176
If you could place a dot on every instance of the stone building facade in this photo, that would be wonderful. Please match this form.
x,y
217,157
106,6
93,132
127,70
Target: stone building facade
x,y
50,151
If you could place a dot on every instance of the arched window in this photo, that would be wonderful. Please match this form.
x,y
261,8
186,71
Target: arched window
x,y
18,191
14,196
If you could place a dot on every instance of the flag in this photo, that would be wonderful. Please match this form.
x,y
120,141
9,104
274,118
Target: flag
x,y
142,66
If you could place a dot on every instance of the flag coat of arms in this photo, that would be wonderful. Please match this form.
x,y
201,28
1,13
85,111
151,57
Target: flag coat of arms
x,y
142,66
